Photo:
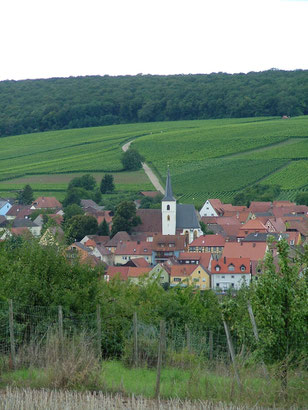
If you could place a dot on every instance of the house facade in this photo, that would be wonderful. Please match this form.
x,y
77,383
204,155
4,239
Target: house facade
x,y
230,273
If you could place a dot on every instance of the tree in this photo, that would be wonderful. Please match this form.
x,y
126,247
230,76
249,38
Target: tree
x,y
86,181
103,229
302,198
204,228
25,196
125,217
70,211
132,160
280,305
73,196
107,184
257,193
79,226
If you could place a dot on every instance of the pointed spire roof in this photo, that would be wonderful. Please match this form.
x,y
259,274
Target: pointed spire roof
x,y
168,193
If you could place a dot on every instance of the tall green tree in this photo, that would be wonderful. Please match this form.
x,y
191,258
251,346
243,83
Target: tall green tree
x,y
107,184
79,226
103,229
25,196
125,217
132,160
280,304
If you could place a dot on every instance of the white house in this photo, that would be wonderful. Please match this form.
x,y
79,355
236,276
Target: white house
x,y
212,207
230,273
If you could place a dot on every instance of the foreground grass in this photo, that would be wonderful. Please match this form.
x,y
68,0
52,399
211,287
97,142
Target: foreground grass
x,y
195,384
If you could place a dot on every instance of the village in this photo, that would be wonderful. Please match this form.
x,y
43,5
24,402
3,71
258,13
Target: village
x,y
169,245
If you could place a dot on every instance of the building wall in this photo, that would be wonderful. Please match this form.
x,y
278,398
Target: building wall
x,y
200,279
226,280
168,210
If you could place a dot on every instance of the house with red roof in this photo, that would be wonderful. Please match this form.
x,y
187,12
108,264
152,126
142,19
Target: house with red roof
x,y
258,206
252,226
166,247
126,273
208,243
129,250
230,273
195,258
255,251
46,202
212,207
190,275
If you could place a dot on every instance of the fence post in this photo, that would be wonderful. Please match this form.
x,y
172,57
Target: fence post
x,y
12,338
211,344
160,357
135,326
60,320
188,344
99,331
256,334
231,350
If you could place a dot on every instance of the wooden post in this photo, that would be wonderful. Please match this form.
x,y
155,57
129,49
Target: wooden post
x,y
99,331
231,350
188,344
135,326
256,334
211,344
159,358
60,320
12,338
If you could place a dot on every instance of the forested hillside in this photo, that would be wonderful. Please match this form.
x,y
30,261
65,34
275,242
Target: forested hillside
x,y
62,103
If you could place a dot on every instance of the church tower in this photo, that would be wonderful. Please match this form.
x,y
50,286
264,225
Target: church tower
x,y
168,210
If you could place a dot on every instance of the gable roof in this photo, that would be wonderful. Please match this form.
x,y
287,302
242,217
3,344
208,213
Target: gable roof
x,y
258,206
125,272
119,237
253,224
224,264
134,248
46,202
20,210
182,270
252,250
150,194
202,257
209,240
163,242
186,217
151,220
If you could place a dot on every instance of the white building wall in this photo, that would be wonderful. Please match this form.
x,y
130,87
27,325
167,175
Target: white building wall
x,y
168,211
207,210
226,280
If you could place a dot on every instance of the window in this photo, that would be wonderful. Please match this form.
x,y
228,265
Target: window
x,y
168,217
223,277
176,279
217,268
291,242
203,279
232,285
217,285
231,267
232,276
196,279
168,207
243,268
199,271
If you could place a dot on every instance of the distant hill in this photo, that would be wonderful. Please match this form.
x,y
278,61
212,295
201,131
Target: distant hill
x,y
62,103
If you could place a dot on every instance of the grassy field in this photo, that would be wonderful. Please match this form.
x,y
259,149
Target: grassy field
x,y
198,383
210,158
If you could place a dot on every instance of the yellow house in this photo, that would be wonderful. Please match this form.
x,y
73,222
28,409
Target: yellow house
x,y
190,275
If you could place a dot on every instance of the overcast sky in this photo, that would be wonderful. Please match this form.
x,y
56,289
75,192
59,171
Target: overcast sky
x,y
62,38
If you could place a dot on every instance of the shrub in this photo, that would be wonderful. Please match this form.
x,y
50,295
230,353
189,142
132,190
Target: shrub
x,y
147,352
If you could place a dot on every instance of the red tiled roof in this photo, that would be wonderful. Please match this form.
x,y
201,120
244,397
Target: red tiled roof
x,y
224,264
182,270
137,272
134,248
140,263
20,210
150,194
151,220
252,250
119,237
20,231
163,242
253,224
126,272
209,240
46,202
256,206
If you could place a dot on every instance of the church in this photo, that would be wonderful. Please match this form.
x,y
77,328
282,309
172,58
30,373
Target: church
x,y
171,219
178,219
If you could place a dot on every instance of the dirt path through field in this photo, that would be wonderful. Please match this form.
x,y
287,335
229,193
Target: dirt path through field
x,y
152,177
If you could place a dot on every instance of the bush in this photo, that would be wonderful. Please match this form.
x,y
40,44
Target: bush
x,y
181,360
147,352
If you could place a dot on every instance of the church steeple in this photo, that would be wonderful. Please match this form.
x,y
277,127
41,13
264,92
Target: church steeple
x,y
168,193
168,208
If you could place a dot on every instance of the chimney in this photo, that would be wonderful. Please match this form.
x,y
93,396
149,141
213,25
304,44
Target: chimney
x,y
225,260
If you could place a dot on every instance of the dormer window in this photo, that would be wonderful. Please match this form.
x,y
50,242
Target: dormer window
x,y
231,267
217,268
243,268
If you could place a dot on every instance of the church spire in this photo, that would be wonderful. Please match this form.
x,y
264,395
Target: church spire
x,y
168,193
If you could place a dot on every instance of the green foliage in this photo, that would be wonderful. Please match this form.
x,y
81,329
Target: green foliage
x,y
107,184
25,196
205,229
70,211
302,198
151,203
79,226
103,229
86,182
63,103
125,217
36,275
132,160
257,193
280,303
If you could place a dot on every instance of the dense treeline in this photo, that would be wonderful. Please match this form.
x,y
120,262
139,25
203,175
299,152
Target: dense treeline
x,y
60,103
